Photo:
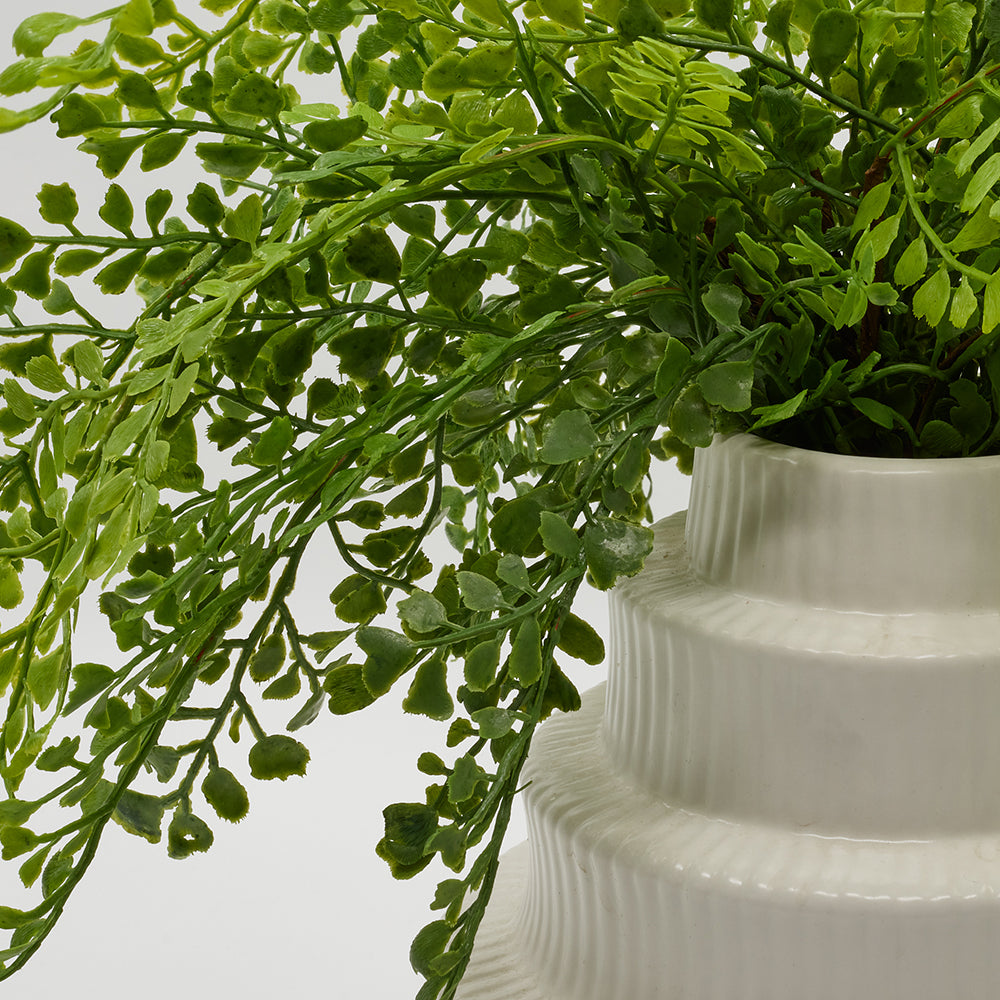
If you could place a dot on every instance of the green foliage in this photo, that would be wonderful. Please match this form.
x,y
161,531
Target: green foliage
x,y
543,246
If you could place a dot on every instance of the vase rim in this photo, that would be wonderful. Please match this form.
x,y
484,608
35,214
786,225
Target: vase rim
x,y
756,441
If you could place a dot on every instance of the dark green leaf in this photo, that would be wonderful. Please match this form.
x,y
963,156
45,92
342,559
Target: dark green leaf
x,y
137,91
257,96
728,384
428,694
525,663
231,160
454,281
56,757
327,136
15,242
278,756
481,664
371,253
558,537
187,835
347,689
389,654
117,276
464,779
117,209
580,639
58,204
831,39
140,814
514,527
161,150
494,723
269,658
690,418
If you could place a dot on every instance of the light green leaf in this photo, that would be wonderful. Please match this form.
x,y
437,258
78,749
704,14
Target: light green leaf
x,y
976,148
991,304
478,592
479,150
511,569
953,21
807,251
982,181
881,293
423,612
44,373
244,221
875,411
963,304
568,438
181,388
676,357
931,298
774,414
44,676
274,442
127,432
615,548
136,18
34,35
853,306
912,263
878,239
872,207
762,257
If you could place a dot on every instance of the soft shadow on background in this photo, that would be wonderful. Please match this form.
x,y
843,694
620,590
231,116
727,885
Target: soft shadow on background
x,y
292,902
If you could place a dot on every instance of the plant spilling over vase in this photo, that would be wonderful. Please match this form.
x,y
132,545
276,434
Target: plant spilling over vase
x,y
785,789
531,248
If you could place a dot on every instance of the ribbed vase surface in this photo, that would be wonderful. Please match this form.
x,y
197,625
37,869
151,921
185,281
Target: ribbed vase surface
x,y
789,787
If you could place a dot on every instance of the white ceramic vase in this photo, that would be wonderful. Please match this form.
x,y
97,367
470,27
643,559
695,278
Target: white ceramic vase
x,y
789,788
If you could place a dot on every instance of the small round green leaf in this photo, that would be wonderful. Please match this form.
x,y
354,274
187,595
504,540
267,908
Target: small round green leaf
x,y
15,242
428,694
187,835
278,756
58,204
371,253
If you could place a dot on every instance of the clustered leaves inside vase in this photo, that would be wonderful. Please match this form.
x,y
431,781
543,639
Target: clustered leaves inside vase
x,y
523,249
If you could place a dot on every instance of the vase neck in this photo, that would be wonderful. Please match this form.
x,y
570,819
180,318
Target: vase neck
x,y
884,536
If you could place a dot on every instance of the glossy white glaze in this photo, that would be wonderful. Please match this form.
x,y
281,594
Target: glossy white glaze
x,y
783,793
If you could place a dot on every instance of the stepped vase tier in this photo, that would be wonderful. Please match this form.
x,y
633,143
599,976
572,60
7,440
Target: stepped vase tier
x,y
789,786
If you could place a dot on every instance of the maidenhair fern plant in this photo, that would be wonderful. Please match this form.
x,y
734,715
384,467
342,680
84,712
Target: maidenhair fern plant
x,y
525,247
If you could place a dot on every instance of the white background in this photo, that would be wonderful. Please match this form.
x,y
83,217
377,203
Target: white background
x,y
292,902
